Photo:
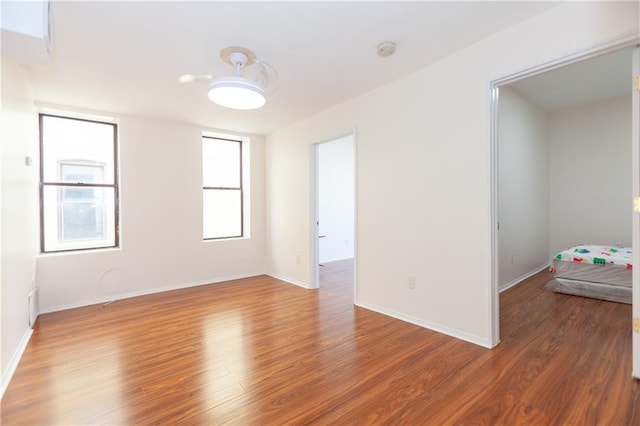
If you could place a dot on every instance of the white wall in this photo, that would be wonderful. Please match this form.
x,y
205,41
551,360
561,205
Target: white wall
x,y
335,199
428,214
160,222
19,214
523,187
591,174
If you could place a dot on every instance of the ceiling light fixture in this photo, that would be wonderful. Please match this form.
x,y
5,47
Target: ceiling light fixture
x,y
245,92
236,91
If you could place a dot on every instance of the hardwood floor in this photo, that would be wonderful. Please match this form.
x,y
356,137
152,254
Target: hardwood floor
x,y
259,351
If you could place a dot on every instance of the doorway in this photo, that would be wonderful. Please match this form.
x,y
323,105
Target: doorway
x,y
333,242
518,82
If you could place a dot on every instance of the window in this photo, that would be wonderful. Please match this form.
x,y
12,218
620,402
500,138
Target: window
x,y
222,188
78,184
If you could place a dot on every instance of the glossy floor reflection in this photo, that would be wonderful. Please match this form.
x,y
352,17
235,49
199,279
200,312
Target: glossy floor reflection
x,y
260,351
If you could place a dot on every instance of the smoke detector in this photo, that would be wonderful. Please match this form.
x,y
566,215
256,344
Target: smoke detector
x,y
386,48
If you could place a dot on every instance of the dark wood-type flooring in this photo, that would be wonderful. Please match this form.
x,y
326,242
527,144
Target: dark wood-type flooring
x,y
258,351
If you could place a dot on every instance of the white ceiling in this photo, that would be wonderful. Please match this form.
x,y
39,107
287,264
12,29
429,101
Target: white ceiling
x,y
125,57
603,77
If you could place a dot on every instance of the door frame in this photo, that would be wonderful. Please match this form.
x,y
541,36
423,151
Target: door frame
x,y
315,210
635,154
494,297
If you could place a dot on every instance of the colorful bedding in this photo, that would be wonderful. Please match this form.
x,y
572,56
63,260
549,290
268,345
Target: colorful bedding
x,y
597,255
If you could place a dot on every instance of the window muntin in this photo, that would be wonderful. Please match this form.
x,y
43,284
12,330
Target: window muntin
x,y
78,184
222,188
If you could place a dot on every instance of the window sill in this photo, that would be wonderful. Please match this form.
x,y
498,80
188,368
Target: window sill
x,y
219,240
80,252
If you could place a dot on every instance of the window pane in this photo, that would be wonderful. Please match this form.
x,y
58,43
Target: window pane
x,y
81,173
222,213
78,217
69,141
220,163
82,213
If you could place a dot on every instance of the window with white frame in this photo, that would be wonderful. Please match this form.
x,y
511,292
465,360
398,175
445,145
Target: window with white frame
x,y
78,184
222,185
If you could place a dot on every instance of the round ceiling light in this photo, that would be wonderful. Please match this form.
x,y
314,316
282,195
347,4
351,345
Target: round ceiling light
x,y
236,92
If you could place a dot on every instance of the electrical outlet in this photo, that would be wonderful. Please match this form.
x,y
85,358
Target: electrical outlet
x,y
297,258
411,282
513,257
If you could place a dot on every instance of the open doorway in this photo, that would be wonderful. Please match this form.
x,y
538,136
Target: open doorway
x,y
564,169
512,260
334,206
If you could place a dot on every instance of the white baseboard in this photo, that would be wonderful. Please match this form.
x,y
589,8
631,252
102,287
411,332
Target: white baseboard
x,y
15,359
521,278
113,298
290,281
429,325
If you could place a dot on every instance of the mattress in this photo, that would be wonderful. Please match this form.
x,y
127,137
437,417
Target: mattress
x,y
601,272
620,276
597,255
612,293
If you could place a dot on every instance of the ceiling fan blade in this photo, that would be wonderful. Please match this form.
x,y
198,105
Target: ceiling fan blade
x,y
190,78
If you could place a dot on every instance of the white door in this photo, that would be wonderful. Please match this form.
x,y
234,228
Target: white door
x,y
636,215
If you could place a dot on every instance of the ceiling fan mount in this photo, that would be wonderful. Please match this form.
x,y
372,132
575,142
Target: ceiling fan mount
x,y
247,89
235,54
